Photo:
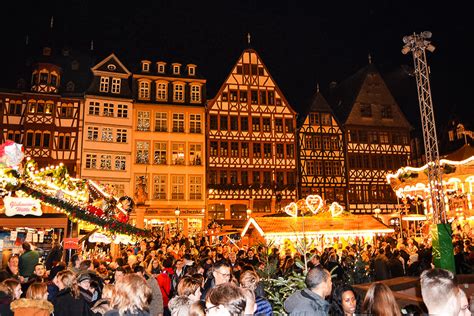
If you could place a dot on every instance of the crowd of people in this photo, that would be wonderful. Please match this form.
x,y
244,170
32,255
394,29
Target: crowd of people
x,y
189,276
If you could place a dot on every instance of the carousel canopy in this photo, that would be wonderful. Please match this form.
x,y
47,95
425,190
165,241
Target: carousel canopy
x,y
316,225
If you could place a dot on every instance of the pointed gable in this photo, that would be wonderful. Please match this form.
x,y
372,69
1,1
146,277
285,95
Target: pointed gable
x,y
364,99
111,65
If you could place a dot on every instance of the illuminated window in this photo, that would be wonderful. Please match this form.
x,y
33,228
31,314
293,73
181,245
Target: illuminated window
x,y
104,84
120,163
142,152
91,161
143,121
106,162
159,154
177,153
159,187
195,154
108,109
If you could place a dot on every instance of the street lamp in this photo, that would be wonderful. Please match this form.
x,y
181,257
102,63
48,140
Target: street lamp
x,y
177,212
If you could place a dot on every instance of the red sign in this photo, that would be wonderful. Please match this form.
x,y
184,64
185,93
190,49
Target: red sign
x,y
71,243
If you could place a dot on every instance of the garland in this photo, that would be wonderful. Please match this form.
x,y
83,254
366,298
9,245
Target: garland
x,y
88,215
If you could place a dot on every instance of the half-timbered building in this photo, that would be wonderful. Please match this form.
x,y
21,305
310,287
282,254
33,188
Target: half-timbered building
x,y
322,159
377,136
107,132
44,112
251,143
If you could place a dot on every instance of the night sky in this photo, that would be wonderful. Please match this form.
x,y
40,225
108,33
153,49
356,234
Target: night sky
x,y
302,44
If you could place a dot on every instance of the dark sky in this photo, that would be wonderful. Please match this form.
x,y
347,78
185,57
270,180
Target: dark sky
x,y
301,42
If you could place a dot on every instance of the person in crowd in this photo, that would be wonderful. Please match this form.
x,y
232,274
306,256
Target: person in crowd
x,y
464,311
104,304
197,309
10,290
12,270
190,287
68,301
156,304
84,283
54,256
334,267
381,271
344,301
252,258
395,265
313,260
154,267
28,259
225,299
164,281
132,297
179,272
312,299
250,305
39,275
379,300
75,263
221,273
250,280
179,305
35,303
440,292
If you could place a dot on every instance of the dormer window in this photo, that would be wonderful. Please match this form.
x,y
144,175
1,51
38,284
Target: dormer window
x,y
146,66
104,84
176,69
54,80
144,90
191,70
178,95
160,67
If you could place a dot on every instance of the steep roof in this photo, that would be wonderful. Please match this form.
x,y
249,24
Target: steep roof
x,y
318,103
461,154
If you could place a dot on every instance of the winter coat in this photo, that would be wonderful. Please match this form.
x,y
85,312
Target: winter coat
x,y
30,307
156,304
27,263
66,305
102,306
5,301
306,302
115,312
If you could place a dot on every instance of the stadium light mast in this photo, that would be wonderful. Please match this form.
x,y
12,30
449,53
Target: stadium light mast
x,y
417,44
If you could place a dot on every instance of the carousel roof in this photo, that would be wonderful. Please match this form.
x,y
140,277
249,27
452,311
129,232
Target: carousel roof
x,y
462,153
316,225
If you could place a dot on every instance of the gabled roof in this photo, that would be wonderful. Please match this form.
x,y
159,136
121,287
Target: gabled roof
x,y
461,154
111,60
318,104
316,225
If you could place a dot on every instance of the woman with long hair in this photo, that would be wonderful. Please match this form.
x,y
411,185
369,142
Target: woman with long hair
x,y
225,299
379,301
68,301
10,290
104,305
35,303
132,297
344,301
250,280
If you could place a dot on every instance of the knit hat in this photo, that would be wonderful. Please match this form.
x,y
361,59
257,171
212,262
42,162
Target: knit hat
x,y
82,277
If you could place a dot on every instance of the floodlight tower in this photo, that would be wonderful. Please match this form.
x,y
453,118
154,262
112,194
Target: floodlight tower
x,y
417,44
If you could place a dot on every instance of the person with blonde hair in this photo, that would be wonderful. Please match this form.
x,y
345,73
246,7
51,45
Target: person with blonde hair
x,y
103,305
35,303
379,301
225,299
132,297
249,280
440,292
10,289
68,301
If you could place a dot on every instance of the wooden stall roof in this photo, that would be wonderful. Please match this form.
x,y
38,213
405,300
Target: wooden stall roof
x,y
316,225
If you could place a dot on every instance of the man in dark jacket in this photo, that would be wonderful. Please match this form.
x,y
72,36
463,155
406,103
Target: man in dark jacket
x,y
381,266
311,301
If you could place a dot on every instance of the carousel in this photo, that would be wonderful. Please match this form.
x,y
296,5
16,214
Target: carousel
x,y
412,189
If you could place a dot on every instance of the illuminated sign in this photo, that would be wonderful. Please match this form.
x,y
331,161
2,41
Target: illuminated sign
x,y
22,206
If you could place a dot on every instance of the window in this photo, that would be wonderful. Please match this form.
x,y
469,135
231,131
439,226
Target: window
x,y
365,110
143,123
66,110
191,70
54,80
257,150
32,107
271,97
279,125
145,66
234,149
104,84
143,152
159,187
233,95
106,162
195,94
178,122
309,144
314,119
94,108
326,119
177,187
256,177
91,161
161,122
44,78
267,177
159,154
14,108
290,151
328,168
213,122
108,109
384,139
195,187
254,96
120,163
116,85
40,107
223,177
122,110
279,151
92,133
363,137
223,121
64,142
256,124
234,123
233,177
267,150
176,69
195,154
14,136
161,67
289,126
29,139
107,134
224,149
290,178
318,168
244,124
177,153
244,177
386,111
212,177
244,149
326,143
195,123
267,125
178,95
121,135
144,90
310,167
213,147
161,91
243,96
224,96
46,140
263,97
373,137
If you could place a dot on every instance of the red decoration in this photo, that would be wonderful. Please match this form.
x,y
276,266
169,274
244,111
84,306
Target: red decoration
x,y
95,210
122,218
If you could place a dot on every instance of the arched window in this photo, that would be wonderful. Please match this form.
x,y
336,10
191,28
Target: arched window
x,y
144,90
161,91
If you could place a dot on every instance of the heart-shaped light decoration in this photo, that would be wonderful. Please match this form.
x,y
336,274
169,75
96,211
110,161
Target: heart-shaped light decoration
x,y
336,209
292,209
314,203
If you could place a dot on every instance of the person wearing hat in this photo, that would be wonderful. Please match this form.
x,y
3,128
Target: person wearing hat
x,y
84,282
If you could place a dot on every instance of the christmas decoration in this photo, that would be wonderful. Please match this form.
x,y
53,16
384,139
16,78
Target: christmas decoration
x,y
11,154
